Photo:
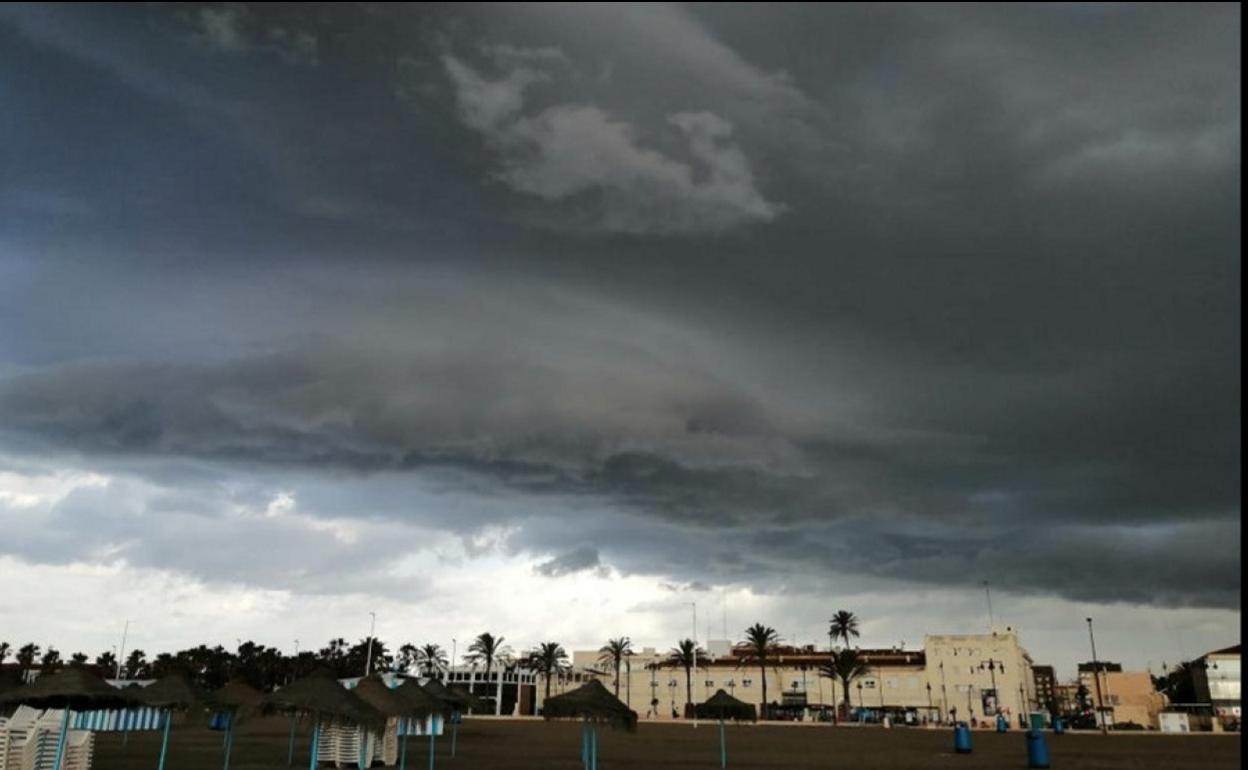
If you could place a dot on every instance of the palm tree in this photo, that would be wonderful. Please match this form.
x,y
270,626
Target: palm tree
x,y
107,662
136,664
846,665
5,649
431,658
78,659
486,649
50,663
25,657
407,657
844,624
760,647
549,658
688,655
613,654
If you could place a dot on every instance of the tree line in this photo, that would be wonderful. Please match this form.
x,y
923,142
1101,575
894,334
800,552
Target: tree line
x,y
268,668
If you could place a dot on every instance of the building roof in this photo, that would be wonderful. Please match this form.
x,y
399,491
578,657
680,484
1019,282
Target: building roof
x,y
1226,651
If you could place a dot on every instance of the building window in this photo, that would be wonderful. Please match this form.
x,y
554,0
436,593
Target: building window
x,y
709,683
747,682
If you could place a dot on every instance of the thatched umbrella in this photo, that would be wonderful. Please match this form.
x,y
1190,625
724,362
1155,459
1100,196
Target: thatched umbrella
x,y
232,699
426,702
455,702
320,694
592,703
170,692
423,703
456,699
73,688
389,701
723,706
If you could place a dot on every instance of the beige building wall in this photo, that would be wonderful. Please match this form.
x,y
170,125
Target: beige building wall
x,y
1129,694
958,669
899,679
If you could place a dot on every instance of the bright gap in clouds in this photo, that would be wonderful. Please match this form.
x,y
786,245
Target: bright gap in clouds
x,y
442,585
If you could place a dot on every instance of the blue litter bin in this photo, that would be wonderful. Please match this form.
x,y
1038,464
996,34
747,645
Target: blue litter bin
x,y
1003,724
1059,726
1037,749
961,738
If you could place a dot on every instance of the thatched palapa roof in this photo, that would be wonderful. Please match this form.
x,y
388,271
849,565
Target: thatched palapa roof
x,y
321,693
172,691
72,687
591,701
422,703
235,695
376,693
454,698
721,705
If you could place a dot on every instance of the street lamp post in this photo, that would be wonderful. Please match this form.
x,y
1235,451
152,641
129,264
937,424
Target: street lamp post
x,y
1096,672
695,657
993,665
368,659
944,693
628,681
930,707
121,655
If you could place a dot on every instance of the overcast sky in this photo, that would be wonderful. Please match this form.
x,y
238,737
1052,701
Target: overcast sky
x,y
548,320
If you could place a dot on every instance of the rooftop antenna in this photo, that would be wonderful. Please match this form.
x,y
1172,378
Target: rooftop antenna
x,y
988,593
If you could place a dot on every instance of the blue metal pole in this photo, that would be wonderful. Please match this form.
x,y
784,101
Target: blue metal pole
x,y
164,740
403,750
723,746
454,735
316,741
593,747
432,737
229,740
585,745
60,742
290,752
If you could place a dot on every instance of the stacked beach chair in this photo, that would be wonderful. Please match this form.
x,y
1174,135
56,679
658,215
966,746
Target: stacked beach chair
x,y
349,745
29,739
79,750
14,734
39,751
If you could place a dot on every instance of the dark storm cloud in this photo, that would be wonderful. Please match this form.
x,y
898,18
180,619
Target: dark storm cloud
x,y
922,293
577,560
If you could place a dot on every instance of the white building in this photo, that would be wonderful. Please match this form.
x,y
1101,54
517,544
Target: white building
x,y
1216,677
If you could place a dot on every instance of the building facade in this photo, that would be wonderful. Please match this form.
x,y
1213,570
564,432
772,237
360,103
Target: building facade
x,y
1045,678
1216,678
1126,697
967,676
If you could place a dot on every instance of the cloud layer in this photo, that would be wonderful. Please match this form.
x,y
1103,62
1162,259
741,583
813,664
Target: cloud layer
x,y
580,154
790,305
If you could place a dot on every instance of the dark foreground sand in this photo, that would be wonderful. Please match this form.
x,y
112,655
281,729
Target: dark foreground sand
x,y
535,745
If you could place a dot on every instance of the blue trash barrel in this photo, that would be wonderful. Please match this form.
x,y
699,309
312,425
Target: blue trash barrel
x,y
219,720
961,738
1037,749
1059,726
1002,723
